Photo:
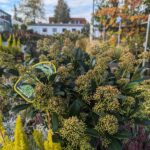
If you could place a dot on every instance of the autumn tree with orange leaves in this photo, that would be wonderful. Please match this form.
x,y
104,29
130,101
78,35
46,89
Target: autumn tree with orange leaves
x,y
130,13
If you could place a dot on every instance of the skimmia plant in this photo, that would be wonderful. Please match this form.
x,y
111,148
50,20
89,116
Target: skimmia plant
x,y
97,99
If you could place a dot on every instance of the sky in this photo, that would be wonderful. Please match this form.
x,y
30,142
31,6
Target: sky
x,y
79,8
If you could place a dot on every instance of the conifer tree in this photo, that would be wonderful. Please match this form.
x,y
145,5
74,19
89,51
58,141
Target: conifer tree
x,y
20,142
1,42
62,12
15,12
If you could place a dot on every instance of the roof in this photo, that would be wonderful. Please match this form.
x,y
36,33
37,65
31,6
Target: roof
x,y
82,20
4,12
56,24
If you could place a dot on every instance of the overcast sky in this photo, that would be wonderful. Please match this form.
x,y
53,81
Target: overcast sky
x,y
79,8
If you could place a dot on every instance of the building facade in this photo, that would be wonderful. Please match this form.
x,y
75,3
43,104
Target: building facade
x,y
51,29
5,21
75,24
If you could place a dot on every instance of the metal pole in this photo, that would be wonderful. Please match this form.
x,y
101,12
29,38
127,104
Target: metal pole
x,y
147,33
93,17
119,35
104,34
92,23
147,36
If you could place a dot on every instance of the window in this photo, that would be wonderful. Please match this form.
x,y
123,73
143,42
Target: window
x,y
44,29
73,30
64,29
122,2
54,30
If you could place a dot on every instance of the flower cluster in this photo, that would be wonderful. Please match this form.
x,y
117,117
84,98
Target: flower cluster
x,y
107,125
43,94
73,131
106,92
56,104
144,90
83,84
44,44
124,62
106,142
128,101
64,72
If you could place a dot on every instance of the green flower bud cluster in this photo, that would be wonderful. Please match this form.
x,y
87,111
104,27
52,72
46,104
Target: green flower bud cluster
x,y
67,51
44,44
128,101
43,94
143,90
106,92
54,50
83,84
106,99
6,60
45,100
67,42
56,104
22,69
107,125
145,108
128,106
145,55
85,145
107,105
73,131
43,58
122,81
124,62
64,72
99,73
106,142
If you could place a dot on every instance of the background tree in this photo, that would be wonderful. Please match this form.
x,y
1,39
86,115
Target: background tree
x,y
147,3
32,10
131,17
15,12
86,29
62,12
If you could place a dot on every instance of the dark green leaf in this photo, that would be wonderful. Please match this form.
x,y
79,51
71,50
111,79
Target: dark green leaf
x,y
142,122
75,107
31,112
92,133
19,108
131,85
123,135
115,145
137,74
60,93
11,72
54,122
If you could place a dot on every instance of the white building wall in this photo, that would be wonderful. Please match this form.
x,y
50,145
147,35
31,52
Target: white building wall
x,y
16,22
121,3
50,28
